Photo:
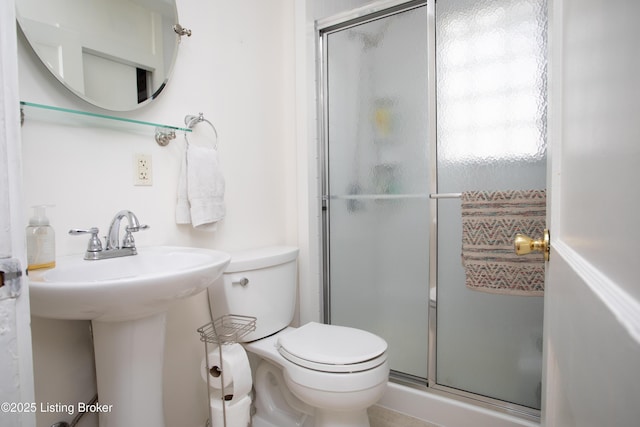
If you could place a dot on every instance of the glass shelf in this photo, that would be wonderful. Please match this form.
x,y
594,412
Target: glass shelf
x,y
66,116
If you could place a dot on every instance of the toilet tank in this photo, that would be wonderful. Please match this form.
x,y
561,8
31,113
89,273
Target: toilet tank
x,y
260,283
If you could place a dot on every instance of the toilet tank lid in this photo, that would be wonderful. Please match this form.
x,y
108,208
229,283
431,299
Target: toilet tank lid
x,y
253,259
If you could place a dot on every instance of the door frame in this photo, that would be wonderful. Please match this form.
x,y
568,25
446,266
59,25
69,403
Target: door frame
x,y
17,370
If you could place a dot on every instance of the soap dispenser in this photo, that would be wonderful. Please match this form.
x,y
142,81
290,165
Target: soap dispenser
x,y
41,243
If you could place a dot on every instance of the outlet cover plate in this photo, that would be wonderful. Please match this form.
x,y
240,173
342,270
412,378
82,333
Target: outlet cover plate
x,y
142,170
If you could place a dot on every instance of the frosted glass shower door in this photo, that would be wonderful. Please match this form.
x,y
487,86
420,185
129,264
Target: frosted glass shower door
x,y
377,182
491,100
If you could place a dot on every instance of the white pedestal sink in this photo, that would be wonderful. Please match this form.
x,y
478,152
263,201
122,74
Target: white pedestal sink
x,y
126,299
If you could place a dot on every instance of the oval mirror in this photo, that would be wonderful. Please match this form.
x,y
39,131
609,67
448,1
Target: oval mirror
x,y
115,54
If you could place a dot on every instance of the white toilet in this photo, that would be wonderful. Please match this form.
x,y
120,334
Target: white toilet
x,y
314,375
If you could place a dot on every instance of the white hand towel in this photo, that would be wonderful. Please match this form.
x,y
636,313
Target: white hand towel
x,y
183,214
200,189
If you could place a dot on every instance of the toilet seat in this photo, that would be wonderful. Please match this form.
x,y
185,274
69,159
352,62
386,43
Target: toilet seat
x,y
333,349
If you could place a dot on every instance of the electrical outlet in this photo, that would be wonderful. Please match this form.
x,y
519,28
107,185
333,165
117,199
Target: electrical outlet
x,y
142,173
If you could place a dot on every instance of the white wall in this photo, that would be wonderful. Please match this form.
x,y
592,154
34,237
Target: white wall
x,y
238,69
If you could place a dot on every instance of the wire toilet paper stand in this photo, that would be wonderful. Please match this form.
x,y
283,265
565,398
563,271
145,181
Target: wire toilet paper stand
x,y
227,329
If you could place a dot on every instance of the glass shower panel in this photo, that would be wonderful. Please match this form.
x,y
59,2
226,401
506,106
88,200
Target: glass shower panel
x,y
377,182
491,100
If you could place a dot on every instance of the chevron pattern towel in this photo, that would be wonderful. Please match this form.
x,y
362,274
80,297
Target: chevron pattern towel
x,y
490,221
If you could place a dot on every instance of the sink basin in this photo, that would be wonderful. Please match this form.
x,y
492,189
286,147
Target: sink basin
x,y
123,288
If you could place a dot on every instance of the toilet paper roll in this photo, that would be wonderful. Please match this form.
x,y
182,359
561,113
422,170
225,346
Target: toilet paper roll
x,y
215,378
236,368
238,413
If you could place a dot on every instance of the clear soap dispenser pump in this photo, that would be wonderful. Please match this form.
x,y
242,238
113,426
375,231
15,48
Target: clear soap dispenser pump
x,y
41,242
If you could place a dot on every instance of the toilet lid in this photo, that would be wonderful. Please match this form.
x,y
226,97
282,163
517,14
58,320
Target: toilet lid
x,y
332,348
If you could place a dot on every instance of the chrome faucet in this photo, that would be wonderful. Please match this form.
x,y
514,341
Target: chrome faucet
x,y
113,248
113,238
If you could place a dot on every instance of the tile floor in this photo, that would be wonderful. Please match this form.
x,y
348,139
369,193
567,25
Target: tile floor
x,y
383,417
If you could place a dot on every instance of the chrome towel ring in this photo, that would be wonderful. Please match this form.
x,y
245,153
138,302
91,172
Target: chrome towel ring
x,y
190,121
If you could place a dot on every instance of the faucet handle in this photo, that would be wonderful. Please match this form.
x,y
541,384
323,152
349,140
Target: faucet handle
x,y
92,230
138,227
128,240
94,241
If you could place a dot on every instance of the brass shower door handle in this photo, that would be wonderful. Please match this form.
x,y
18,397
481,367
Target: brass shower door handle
x,y
525,244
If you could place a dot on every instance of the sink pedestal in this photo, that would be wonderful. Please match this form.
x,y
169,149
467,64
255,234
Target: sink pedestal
x,y
129,359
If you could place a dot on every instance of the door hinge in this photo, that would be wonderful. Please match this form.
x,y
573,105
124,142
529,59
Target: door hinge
x,y
10,278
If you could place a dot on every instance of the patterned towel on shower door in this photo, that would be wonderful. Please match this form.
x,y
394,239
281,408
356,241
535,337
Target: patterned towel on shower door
x,y
490,222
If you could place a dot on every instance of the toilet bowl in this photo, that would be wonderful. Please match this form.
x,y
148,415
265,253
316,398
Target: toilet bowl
x,y
317,375
339,392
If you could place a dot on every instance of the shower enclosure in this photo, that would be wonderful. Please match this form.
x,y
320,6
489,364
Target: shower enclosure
x,y
420,102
